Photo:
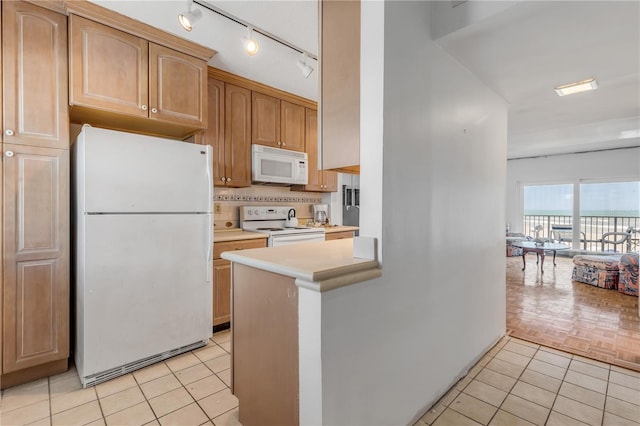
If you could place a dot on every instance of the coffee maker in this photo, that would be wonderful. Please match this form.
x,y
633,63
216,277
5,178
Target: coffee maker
x,y
320,214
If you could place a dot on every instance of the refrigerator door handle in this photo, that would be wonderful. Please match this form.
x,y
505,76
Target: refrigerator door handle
x,y
208,227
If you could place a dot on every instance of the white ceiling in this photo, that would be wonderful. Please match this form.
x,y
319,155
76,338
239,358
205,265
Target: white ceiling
x,y
520,49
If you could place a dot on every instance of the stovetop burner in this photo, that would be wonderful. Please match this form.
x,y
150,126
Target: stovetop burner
x,y
270,229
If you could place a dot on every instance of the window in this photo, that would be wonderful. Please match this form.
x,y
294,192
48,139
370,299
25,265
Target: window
x,y
604,207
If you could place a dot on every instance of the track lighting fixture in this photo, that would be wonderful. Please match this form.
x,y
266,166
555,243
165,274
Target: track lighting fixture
x,y
305,68
189,17
251,45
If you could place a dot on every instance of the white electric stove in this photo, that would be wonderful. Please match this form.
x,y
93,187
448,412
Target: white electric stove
x,y
272,221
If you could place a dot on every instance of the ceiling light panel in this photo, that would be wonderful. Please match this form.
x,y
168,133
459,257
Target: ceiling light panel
x,y
578,87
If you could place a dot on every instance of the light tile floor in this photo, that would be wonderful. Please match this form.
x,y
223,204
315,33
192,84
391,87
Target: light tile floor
x,y
190,389
515,383
521,383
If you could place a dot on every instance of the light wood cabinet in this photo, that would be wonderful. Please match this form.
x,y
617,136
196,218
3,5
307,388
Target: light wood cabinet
x,y
265,120
229,133
340,85
277,123
292,126
222,276
221,291
177,87
338,235
115,76
319,180
265,350
35,273
34,307
34,72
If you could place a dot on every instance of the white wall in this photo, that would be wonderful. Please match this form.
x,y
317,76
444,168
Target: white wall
x,y
614,165
433,177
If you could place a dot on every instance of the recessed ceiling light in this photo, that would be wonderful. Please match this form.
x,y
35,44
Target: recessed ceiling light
x,y
580,86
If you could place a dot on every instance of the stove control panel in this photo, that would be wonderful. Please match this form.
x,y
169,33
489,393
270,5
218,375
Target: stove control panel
x,y
263,213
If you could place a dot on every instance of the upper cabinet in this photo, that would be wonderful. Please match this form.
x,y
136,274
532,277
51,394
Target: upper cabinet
x,y
177,87
319,180
292,126
229,133
277,123
34,76
116,77
339,104
109,68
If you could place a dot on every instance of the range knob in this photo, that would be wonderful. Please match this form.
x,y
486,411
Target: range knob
x,y
256,212
249,212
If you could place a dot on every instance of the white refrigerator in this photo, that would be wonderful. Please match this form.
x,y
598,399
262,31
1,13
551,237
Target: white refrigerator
x,y
143,251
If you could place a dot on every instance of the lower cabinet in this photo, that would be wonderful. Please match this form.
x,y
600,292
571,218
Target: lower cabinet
x,y
265,347
35,264
338,235
222,276
221,291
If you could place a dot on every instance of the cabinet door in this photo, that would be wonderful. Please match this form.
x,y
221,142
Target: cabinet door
x,y
109,69
265,120
221,291
35,76
177,87
36,256
292,128
237,136
330,181
214,135
311,146
338,235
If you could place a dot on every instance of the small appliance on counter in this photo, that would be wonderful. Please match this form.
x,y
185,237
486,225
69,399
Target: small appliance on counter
x,y
320,214
273,221
292,220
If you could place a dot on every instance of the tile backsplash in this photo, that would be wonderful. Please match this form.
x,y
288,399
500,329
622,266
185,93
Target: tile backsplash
x,y
227,200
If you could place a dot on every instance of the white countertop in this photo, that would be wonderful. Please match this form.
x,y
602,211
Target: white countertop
x,y
339,228
319,266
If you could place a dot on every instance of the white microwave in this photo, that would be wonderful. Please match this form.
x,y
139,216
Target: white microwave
x,y
280,166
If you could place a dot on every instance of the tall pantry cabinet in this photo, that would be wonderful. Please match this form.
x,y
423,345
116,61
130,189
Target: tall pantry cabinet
x,y
35,194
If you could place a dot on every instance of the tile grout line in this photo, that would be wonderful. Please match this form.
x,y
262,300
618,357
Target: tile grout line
x,y
514,385
555,398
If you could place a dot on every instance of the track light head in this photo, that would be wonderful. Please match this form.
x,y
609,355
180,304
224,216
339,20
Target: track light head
x,y
251,45
189,17
304,68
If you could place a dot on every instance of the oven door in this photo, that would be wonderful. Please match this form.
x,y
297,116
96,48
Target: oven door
x,y
283,240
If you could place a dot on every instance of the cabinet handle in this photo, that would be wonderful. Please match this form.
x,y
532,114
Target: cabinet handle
x,y
154,110
228,179
8,132
283,144
223,179
143,107
8,154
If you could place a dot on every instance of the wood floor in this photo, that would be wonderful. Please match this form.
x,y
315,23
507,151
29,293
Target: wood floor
x,y
551,310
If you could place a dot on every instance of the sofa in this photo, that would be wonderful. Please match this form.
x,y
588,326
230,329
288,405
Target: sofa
x,y
628,277
597,270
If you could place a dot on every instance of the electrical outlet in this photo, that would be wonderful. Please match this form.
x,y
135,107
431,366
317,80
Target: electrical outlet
x,y
217,208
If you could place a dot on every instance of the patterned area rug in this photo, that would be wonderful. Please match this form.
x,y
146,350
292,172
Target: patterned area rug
x,y
551,310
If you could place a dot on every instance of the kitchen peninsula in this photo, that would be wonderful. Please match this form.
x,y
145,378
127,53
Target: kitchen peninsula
x,y
277,323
